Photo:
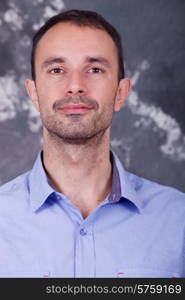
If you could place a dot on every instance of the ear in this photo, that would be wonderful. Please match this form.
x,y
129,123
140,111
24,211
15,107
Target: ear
x,y
123,90
32,92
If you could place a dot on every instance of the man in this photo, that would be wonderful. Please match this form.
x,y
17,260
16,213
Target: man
x,y
78,213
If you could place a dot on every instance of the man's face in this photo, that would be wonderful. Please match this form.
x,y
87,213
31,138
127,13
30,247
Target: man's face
x,y
76,87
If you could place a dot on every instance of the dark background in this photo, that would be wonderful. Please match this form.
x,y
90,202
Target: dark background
x,y
148,134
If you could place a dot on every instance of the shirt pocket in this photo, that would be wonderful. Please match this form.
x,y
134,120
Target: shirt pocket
x,y
24,273
145,273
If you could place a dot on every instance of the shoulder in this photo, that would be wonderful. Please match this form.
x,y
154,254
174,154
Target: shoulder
x,y
14,189
17,183
153,193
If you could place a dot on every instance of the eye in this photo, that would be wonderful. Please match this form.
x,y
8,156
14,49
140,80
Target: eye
x,y
95,70
56,71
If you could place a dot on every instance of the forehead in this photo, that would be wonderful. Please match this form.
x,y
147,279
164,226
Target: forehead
x,y
72,41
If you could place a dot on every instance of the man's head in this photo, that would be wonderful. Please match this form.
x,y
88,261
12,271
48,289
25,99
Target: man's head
x,y
80,18
78,75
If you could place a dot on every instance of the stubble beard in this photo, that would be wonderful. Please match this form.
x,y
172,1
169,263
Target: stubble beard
x,y
78,129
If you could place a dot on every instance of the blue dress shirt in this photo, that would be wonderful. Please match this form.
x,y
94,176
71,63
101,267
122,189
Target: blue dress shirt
x,y
137,231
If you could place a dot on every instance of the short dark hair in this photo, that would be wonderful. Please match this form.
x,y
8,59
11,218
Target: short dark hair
x,y
80,18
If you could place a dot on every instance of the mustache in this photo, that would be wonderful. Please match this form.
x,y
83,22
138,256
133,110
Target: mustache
x,y
75,100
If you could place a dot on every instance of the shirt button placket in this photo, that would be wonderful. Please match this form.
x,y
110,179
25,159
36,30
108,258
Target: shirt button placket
x,y
83,232
84,259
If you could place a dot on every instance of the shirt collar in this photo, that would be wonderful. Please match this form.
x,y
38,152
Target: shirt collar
x,y
122,186
40,188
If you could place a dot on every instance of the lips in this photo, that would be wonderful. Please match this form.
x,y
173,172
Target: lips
x,y
75,109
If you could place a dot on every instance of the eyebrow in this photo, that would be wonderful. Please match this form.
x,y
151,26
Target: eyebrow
x,y
89,59
52,60
98,59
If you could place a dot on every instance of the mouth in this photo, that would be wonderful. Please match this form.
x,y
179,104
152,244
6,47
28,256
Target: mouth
x,y
75,109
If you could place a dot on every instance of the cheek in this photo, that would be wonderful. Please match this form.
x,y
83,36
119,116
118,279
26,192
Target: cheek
x,y
48,87
109,95
105,88
47,95
45,101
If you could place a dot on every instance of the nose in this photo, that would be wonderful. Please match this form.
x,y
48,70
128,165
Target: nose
x,y
75,85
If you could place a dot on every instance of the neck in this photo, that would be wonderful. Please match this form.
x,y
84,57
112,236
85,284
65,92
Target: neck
x,y
81,172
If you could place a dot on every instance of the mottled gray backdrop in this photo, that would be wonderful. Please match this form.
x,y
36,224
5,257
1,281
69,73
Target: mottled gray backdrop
x,y
148,134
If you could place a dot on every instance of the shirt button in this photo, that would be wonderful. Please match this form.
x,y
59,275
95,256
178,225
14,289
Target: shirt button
x,y
83,232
